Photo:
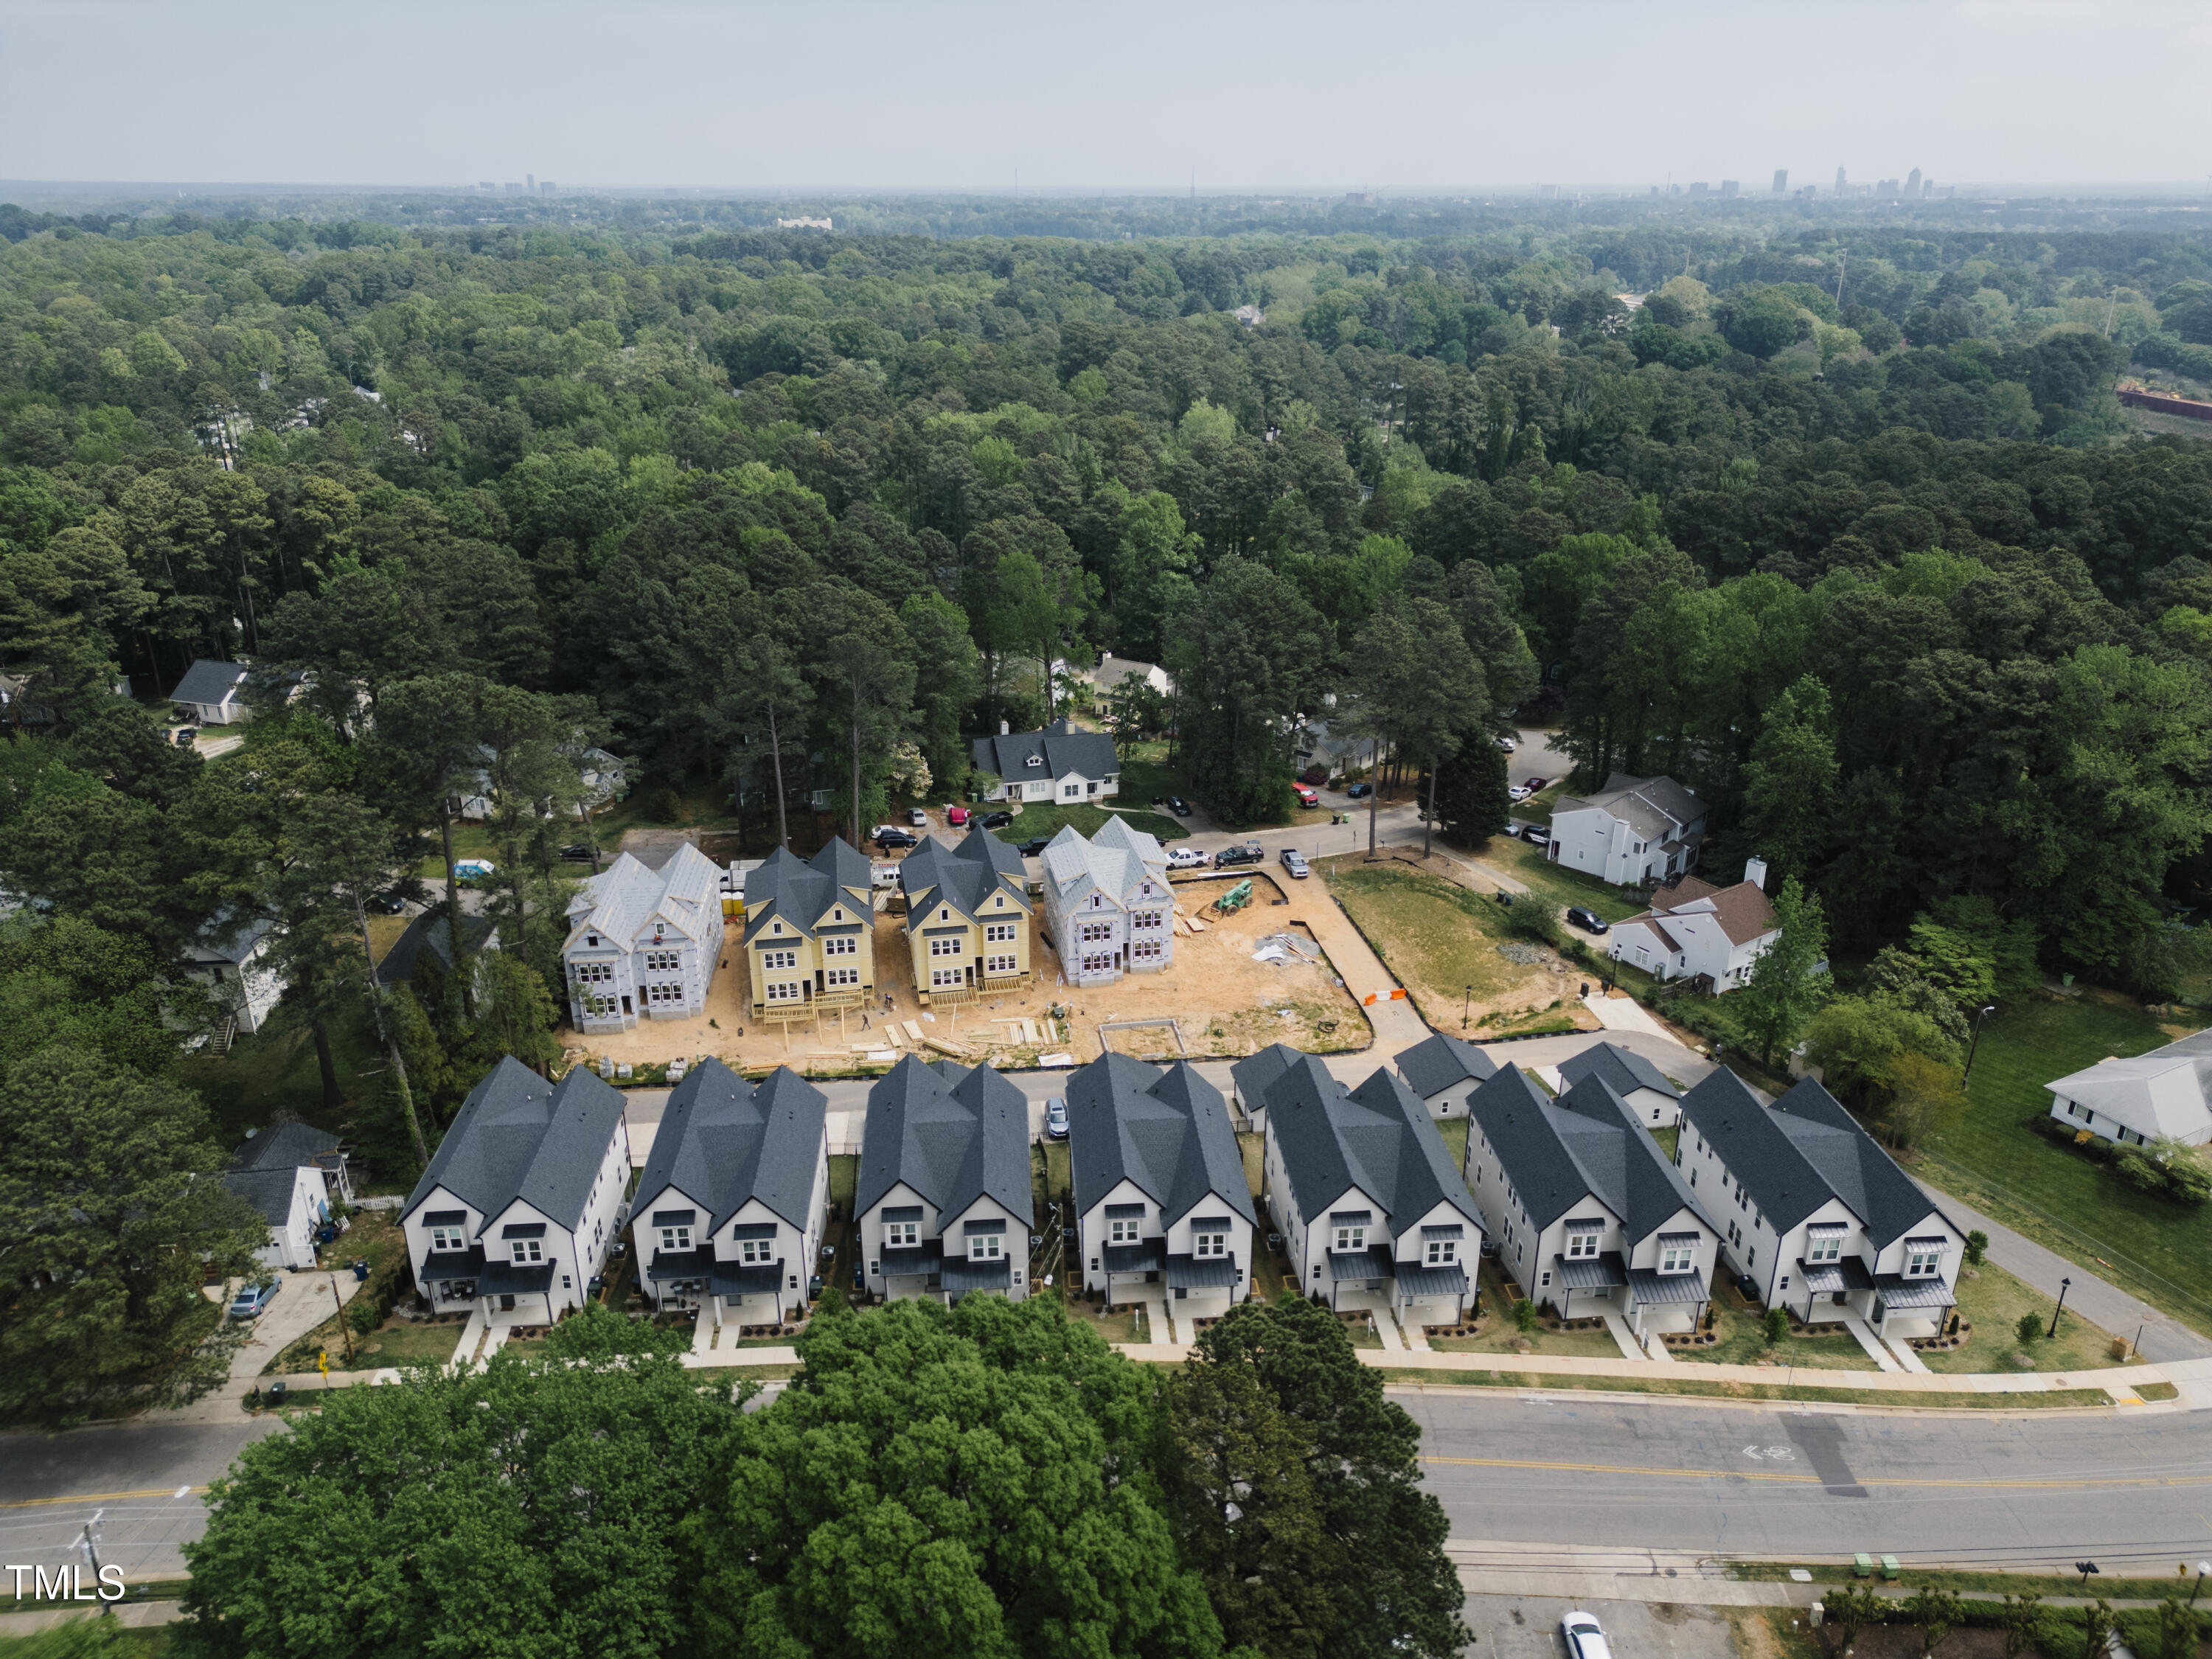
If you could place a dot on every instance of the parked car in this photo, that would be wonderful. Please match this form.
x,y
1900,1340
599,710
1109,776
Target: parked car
x,y
253,1299
1250,853
1585,1636
1178,806
1034,848
890,836
1294,861
1519,792
917,818
956,815
1588,921
469,872
1506,744
1359,791
995,820
576,853
390,905
1536,835
186,734
1055,1118
1186,858
1535,785
1306,797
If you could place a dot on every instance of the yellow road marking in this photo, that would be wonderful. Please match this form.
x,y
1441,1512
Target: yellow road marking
x,y
94,1497
1779,1479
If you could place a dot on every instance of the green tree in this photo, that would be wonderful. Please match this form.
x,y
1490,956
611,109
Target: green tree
x,y
943,693
1247,652
1790,978
111,1200
535,1506
1924,1095
1419,689
868,674
1387,1584
1937,1613
2178,1632
1790,784
1855,1040
1475,798
1760,322
972,1482
1150,574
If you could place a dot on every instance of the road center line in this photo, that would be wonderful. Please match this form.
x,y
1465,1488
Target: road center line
x,y
96,1498
1815,1480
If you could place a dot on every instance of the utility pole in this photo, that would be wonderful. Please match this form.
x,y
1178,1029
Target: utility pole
x,y
345,1330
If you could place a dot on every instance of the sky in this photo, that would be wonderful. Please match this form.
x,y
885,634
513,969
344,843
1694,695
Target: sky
x,y
981,96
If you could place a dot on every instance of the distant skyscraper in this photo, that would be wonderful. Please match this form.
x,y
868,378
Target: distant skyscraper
x,y
1912,185
1781,180
530,182
1927,188
1729,186
1698,189
1840,181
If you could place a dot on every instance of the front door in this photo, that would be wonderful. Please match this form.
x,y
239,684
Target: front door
x,y
506,1304
625,1005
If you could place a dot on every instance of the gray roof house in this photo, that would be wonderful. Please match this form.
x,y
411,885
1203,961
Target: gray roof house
x,y
1589,1214
522,1197
1373,1212
1444,1070
1165,1211
294,1204
293,1145
730,1209
231,956
1251,1078
1815,1212
210,692
1107,908
1634,830
1060,763
428,932
2165,1095
943,1200
1647,1089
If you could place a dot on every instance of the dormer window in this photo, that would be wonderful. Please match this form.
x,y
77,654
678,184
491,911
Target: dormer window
x,y
529,1249
592,940
675,1238
1000,900
448,1238
945,915
1352,1238
1034,760
983,1247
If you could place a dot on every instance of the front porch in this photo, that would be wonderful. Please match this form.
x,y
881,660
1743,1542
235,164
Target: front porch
x,y
1904,1309
1133,1271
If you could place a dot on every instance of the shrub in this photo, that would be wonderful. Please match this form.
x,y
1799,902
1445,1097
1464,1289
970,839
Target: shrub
x,y
2029,1330
1524,1314
1977,1248
1775,1327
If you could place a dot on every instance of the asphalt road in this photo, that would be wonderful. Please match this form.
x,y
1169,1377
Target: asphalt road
x,y
2015,1489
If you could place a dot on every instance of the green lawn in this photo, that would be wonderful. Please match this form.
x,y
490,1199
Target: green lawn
x,y
1992,1303
405,1342
1561,886
1454,1131
1742,1343
1991,1158
1438,938
1039,819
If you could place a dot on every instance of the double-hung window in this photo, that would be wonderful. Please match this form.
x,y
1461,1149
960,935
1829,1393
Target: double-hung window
x,y
844,945
1923,1257
983,1247
1583,1244
757,1249
949,945
529,1249
999,933
1443,1252
675,1238
900,1235
774,959
447,1238
1352,1238
1120,1232
1209,1243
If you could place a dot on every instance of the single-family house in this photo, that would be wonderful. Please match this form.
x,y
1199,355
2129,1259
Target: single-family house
x,y
1814,1212
231,956
2165,1095
212,693
1708,935
809,931
1648,1092
523,1196
1444,1071
1332,749
942,1200
1372,1212
968,915
644,943
1107,908
1060,765
293,1145
1634,830
729,1212
429,930
292,1203
1163,1206
21,702
1112,671
1251,1078
1589,1214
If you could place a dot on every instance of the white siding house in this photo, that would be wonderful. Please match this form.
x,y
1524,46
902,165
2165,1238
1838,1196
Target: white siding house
x,y
292,1202
1107,907
1060,765
1646,1090
210,693
2159,1096
942,1200
644,942
1633,830
1709,935
231,957
1444,1070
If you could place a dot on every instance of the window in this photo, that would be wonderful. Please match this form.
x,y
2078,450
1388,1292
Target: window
x,y
1352,1238
1000,965
447,1238
948,944
787,991
1824,1246
1098,962
1146,919
1097,932
983,1247
1070,791
900,1235
840,976
1145,950
772,960
664,993
999,933
999,902
755,1249
2075,1109
529,1249
1581,1244
1122,1231
1443,1252
1785,1285
1677,1258
1547,1279
662,962
841,947
675,1238
591,973
1921,1260
1034,760
943,978
1209,1244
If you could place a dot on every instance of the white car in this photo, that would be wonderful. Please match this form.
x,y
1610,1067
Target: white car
x,y
1520,792
917,818
1506,744
1585,1637
1187,858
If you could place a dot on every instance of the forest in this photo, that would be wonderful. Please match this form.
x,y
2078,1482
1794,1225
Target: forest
x,y
1836,519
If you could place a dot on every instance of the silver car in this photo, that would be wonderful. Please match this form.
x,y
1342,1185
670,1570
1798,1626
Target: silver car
x,y
1055,1118
1294,861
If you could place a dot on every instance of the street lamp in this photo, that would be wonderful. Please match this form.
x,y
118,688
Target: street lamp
x,y
1974,1042
2053,1337
1466,1007
2203,1568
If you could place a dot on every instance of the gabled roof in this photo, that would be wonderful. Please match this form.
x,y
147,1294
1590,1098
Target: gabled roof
x,y
209,682
1855,1166
1625,1069
798,893
953,1133
269,1191
1657,808
288,1146
1743,911
2160,1094
1165,1129
1435,1063
965,876
1253,1074
1379,1137
724,1142
228,939
428,932
622,900
1113,670
517,1136
1062,748
1515,1118
1116,861
1627,1169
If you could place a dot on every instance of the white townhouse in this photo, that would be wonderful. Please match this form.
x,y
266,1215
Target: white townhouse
x,y
294,1203
1370,1209
1060,764
1444,1070
1163,1208
523,1196
1587,1213
211,692
1647,1090
644,943
2165,1095
1107,907
729,1212
1708,935
1814,1212
943,1198
1634,830
231,956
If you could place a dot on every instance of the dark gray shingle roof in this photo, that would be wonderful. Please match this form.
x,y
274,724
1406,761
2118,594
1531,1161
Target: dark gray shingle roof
x,y
1623,1068
1515,1116
429,931
797,891
288,1146
1435,1063
1379,1137
1637,1180
1254,1074
519,1136
953,1133
963,875
1064,749
208,680
1166,1129
269,1191
723,1142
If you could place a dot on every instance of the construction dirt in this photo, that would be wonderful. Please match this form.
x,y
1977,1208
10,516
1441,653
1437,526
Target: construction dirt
x,y
1214,999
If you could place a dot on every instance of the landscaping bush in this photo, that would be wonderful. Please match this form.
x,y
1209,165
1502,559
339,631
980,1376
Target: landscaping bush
x,y
1977,1247
1524,1316
1775,1327
2029,1330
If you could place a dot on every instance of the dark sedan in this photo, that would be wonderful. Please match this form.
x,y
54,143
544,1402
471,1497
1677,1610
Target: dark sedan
x,y
995,820
1360,790
1588,921
1179,806
888,837
1034,848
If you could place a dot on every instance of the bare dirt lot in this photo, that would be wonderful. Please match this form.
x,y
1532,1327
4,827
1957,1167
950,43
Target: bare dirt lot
x,y
1222,1001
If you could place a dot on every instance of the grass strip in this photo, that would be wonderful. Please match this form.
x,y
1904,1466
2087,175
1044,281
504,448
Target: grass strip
x,y
1698,1387
1976,1582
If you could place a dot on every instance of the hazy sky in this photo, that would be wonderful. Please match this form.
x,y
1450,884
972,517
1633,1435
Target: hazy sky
x,y
960,95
